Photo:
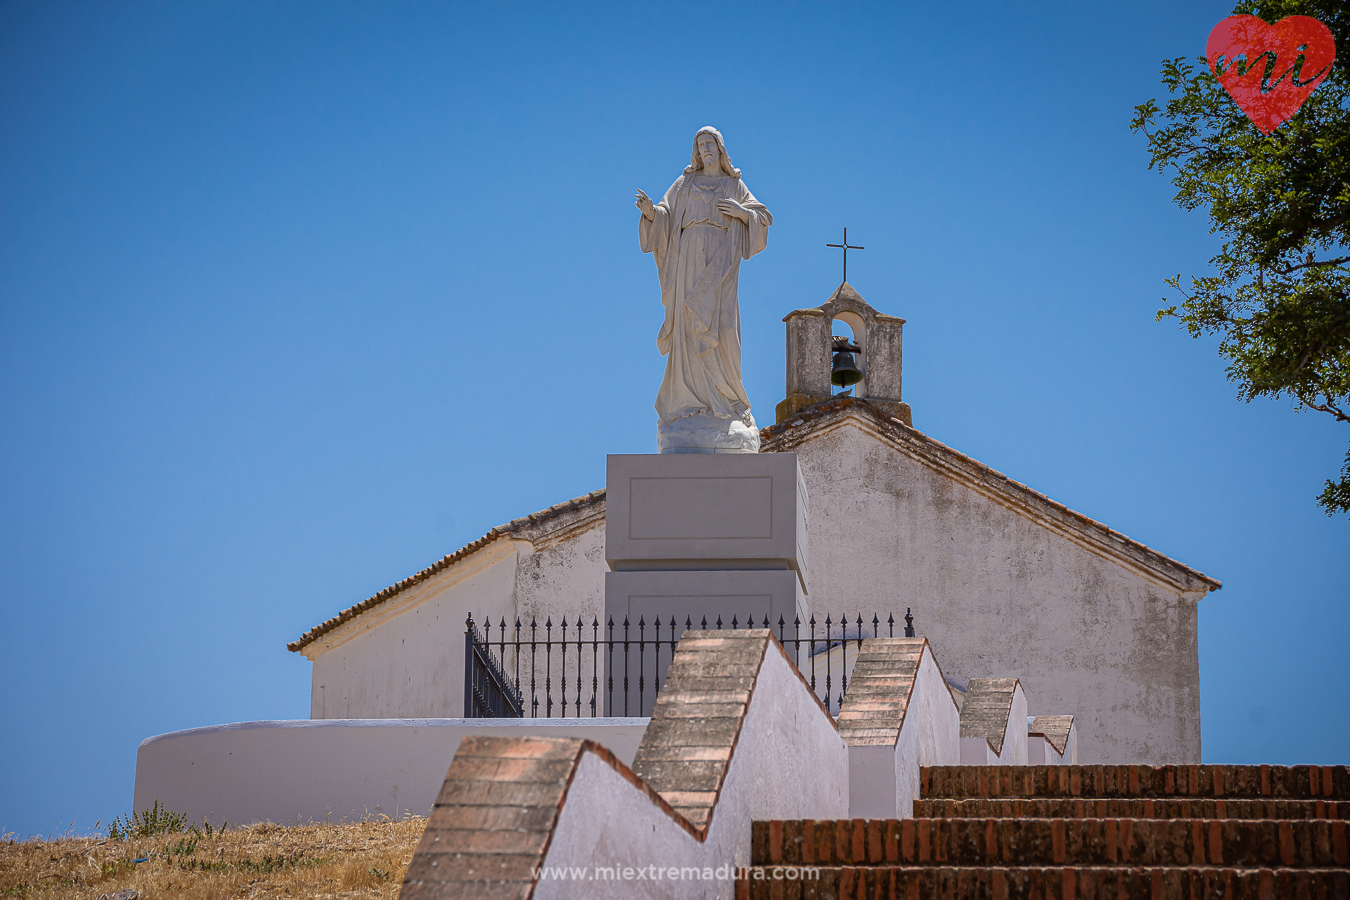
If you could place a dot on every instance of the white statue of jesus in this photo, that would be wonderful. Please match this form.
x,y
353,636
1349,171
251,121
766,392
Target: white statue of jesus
x,y
699,232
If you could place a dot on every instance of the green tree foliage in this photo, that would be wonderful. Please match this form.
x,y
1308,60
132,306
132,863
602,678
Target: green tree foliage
x,y
1278,293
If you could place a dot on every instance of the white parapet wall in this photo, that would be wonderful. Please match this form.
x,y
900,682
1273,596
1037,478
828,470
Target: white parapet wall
x,y
975,751
898,715
331,769
1040,753
931,735
993,717
1052,741
736,736
609,827
788,762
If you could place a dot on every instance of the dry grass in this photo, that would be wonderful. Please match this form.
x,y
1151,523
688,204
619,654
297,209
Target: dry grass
x,y
364,859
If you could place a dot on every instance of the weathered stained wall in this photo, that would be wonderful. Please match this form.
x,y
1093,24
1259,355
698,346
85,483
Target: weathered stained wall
x,y
405,657
998,591
565,575
999,595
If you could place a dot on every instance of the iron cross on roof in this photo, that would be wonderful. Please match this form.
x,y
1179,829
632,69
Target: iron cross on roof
x,y
845,247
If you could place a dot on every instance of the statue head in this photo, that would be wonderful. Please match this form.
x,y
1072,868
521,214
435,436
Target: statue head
x,y
722,165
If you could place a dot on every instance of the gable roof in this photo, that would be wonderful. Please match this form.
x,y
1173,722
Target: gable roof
x,y
1054,729
1087,533
880,689
987,708
534,527
808,423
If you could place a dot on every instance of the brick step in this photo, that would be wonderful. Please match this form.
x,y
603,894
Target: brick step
x,y
1242,843
1087,883
1136,782
1119,808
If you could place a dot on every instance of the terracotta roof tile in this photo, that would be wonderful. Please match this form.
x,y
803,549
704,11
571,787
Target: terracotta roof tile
x,y
873,711
696,722
494,820
986,710
515,526
1054,729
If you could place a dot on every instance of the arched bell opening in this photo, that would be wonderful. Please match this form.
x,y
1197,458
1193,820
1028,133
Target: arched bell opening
x,y
848,354
811,356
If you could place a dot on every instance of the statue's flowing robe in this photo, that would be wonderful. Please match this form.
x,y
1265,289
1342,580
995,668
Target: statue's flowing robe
x,y
698,255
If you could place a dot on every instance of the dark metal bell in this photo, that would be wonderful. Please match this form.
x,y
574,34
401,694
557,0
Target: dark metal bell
x,y
844,369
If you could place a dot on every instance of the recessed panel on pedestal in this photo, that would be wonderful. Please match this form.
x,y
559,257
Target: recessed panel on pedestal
x,y
732,511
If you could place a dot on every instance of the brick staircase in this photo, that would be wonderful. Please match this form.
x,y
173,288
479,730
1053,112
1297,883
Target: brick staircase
x,y
1161,832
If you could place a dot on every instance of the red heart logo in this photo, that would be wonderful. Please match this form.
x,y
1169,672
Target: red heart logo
x,y
1270,69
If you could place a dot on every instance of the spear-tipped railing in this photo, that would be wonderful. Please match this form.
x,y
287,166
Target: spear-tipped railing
x,y
821,654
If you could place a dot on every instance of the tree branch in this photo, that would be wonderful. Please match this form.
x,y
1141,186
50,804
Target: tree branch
x,y
1328,407
1286,270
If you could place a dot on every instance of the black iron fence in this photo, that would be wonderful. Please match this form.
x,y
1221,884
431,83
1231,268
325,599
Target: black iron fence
x,y
615,670
488,692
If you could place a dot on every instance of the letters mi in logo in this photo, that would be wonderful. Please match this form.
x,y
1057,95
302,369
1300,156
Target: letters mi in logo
x,y
1270,69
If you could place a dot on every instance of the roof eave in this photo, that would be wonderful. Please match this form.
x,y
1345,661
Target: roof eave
x,y
809,421
514,527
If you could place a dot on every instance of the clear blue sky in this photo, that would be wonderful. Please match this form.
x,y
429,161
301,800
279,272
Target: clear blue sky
x,y
296,298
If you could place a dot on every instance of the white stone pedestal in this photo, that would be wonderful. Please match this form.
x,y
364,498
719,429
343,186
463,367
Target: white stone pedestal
x,y
695,536
706,511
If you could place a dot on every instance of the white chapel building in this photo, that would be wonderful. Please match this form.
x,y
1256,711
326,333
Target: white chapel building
x,y
1003,581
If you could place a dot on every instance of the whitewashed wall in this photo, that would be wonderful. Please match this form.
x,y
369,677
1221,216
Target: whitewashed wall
x,y
405,657
884,780
976,751
1040,752
607,822
930,735
788,763
1014,751
558,579
302,771
999,594
564,576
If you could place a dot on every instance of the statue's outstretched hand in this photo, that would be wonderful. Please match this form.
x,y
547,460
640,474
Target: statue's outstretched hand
x,y
733,209
644,204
